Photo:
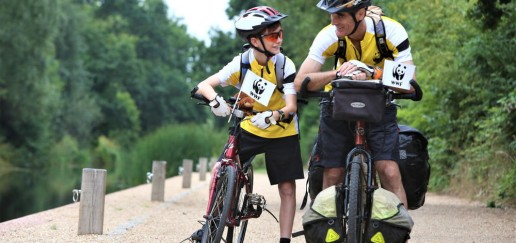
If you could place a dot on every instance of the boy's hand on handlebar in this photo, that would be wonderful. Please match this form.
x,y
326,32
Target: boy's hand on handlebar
x,y
219,107
263,120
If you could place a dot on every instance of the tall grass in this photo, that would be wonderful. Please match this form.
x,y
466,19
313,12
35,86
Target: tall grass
x,y
172,144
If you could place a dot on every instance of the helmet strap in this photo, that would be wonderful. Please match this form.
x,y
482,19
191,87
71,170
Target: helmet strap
x,y
264,51
357,23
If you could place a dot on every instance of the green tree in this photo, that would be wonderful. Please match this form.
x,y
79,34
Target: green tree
x,y
467,107
78,111
29,84
112,61
163,51
29,95
236,7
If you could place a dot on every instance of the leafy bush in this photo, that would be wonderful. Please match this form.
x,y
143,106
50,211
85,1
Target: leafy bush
x,y
173,144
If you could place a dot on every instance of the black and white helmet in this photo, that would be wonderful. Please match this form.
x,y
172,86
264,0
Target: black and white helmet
x,y
350,6
256,19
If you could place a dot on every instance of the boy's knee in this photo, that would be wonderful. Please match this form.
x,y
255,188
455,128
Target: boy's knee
x,y
287,189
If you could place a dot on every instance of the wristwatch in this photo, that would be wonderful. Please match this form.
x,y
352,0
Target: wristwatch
x,y
281,115
337,75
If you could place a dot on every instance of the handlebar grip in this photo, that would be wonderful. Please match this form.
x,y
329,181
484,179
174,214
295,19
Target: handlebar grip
x,y
304,88
304,93
195,95
416,96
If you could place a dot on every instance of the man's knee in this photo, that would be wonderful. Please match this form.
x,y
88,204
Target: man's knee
x,y
332,176
388,170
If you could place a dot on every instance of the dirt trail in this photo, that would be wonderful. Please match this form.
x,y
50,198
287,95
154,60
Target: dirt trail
x,y
130,216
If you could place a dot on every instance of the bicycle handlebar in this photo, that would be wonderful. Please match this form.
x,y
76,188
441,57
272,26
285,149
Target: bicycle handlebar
x,y
197,96
415,96
304,93
231,101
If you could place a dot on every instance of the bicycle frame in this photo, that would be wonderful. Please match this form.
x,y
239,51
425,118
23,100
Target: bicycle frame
x,y
361,156
230,157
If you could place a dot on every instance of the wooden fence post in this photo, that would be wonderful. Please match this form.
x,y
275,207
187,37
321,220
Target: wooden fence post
x,y
158,180
187,173
91,209
213,160
203,163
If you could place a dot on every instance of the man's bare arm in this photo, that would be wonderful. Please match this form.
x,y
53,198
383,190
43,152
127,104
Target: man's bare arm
x,y
312,69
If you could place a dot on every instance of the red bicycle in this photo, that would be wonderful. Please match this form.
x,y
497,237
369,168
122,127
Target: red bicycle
x,y
231,200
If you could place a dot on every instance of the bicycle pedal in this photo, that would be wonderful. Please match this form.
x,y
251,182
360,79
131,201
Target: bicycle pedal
x,y
252,212
197,235
255,199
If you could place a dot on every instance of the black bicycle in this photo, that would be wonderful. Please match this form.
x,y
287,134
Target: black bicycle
x,y
350,101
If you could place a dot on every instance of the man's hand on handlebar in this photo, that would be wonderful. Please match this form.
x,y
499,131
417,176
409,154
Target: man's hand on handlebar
x,y
357,70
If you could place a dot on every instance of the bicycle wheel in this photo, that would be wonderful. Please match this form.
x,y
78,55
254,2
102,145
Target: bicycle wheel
x,y
248,189
356,201
220,206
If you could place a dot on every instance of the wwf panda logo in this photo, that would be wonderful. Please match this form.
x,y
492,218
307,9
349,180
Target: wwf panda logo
x,y
259,86
399,72
377,58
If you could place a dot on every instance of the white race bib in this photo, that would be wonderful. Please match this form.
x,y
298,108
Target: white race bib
x,y
397,74
258,88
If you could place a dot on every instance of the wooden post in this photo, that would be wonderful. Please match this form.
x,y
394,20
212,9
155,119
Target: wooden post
x,y
91,209
158,180
213,160
203,163
187,173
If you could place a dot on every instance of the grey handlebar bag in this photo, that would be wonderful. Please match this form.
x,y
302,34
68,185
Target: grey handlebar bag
x,y
358,100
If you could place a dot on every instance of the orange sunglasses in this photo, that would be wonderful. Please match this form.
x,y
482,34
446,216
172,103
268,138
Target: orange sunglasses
x,y
272,37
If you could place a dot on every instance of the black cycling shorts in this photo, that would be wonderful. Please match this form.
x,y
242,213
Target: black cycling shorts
x,y
282,155
336,137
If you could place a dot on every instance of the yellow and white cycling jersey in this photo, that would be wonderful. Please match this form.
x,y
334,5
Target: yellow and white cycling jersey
x,y
230,75
325,44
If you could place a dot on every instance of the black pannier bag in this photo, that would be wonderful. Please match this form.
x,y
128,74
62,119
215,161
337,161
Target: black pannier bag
x,y
315,175
358,100
414,165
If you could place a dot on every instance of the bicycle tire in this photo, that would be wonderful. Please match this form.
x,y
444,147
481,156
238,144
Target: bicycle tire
x,y
221,204
356,201
247,190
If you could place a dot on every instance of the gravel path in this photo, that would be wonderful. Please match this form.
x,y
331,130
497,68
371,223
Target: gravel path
x,y
130,216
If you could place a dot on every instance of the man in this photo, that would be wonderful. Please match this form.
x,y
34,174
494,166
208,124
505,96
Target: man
x,y
350,24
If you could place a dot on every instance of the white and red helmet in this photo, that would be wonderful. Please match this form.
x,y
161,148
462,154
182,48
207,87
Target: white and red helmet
x,y
256,19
